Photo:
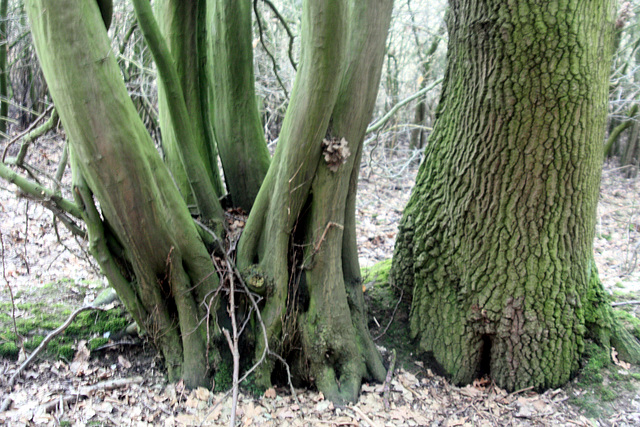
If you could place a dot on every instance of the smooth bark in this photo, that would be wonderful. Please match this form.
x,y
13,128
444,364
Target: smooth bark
x,y
182,25
235,116
300,234
147,225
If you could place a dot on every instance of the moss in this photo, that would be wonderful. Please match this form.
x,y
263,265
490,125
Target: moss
x,y
257,279
629,321
253,387
33,342
8,350
607,394
97,342
223,378
66,351
97,323
377,286
597,358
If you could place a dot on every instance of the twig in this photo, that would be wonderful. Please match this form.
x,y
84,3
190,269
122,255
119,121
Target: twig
x,y
393,315
4,276
287,29
522,390
379,123
617,304
264,46
25,132
265,336
6,403
386,389
26,235
48,338
233,345
364,416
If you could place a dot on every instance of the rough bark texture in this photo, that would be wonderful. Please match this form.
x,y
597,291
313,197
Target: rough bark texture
x,y
299,236
496,241
146,243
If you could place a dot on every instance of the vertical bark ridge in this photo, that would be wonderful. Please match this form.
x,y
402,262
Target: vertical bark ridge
x,y
496,241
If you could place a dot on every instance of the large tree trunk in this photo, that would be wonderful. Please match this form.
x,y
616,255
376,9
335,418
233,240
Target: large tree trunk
x,y
496,241
147,243
300,234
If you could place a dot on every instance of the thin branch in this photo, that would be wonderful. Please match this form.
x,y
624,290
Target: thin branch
x,y
266,351
266,49
233,344
378,124
26,132
393,315
387,381
618,304
287,29
39,192
4,276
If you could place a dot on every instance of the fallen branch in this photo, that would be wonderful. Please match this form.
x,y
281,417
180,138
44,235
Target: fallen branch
x,y
48,338
364,416
617,304
386,388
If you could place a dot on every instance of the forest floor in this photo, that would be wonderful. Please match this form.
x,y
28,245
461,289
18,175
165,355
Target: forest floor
x,y
124,385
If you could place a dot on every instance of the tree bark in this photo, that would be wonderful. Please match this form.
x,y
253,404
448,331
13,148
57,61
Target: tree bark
x,y
496,241
147,241
182,23
300,234
4,71
235,116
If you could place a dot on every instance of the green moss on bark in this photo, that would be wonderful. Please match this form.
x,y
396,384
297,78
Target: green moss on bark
x,y
496,241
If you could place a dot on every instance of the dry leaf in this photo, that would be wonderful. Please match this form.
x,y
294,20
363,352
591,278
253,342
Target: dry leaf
x,y
123,362
202,393
614,356
270,393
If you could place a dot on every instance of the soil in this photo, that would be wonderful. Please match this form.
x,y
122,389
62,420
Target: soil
x,y
40,265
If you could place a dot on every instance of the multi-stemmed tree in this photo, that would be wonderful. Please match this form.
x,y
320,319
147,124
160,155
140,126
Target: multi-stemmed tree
x,y
153,225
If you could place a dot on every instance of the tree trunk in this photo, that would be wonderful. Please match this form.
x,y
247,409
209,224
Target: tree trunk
x,y
238,128
4,71
300,235
147,243
181,22
496,241
631,154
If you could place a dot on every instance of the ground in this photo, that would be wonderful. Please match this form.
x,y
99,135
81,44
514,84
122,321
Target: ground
x,y
116,380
